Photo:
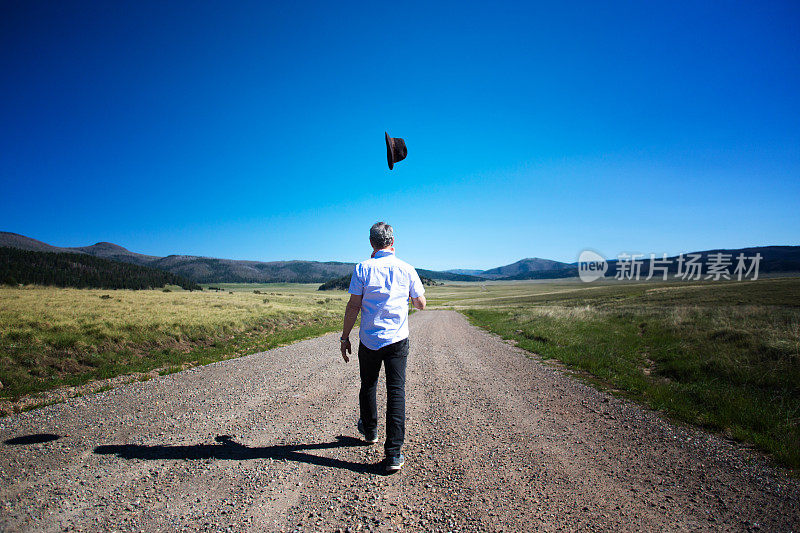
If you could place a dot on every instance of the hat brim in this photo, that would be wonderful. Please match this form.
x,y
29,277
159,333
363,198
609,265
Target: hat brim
x,y
389,154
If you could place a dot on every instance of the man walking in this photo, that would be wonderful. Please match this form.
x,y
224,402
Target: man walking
x,y
380,288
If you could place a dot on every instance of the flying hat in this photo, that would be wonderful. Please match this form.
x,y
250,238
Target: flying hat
x,y
395,150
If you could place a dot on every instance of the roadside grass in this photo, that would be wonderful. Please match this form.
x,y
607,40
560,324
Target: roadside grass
x,y
724,356
51,337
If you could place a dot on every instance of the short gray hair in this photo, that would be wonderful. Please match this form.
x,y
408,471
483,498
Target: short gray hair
x,y
381,235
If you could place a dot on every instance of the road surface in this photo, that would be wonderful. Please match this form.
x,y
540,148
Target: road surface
x,y
496,441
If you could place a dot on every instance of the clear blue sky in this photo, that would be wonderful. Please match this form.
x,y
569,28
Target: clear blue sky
x,y
255,130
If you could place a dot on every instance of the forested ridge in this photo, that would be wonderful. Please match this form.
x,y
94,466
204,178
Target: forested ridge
x,y
81,271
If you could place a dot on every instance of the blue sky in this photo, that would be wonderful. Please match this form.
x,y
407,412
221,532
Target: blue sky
x,y
255,130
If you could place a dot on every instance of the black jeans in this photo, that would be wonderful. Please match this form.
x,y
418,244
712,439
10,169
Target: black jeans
x,y
394,359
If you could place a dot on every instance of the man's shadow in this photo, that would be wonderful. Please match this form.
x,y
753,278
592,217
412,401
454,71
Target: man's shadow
x,y
227,449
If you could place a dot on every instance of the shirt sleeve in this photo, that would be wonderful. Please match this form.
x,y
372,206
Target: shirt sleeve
x,y
417,289
356,283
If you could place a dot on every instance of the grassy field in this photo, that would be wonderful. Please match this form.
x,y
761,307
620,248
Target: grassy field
x,y
53,337
725,356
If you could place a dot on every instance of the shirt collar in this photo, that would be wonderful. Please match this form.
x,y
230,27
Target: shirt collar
x,y
383,253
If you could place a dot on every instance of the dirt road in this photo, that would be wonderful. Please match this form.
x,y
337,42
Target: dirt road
x,y
495,441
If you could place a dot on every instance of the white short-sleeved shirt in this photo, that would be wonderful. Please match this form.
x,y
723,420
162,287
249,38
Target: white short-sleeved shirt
x,y
385,282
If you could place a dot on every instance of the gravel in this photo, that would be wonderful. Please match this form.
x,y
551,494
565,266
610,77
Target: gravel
x,y
496,441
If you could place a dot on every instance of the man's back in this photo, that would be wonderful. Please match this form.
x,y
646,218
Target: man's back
x,y
379,290
385,283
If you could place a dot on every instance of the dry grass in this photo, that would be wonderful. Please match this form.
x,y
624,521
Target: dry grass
x,y
722,355
51,337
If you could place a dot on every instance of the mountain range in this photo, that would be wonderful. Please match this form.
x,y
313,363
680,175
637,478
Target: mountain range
x,y
215,270
198,269
81,270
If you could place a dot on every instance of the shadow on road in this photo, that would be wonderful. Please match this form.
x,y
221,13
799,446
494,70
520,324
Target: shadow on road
x,y
230,450
36,438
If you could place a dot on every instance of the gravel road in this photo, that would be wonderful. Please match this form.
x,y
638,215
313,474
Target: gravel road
x,y
496,441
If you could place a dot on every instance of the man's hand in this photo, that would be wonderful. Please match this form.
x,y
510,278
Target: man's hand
x,y
350,316
346,349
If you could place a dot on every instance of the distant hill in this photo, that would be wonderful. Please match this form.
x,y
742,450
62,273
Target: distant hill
x,y
569,271
198,269
446,276
343,283
68,269
108,250
523,267
529,268
465,271
214,270
15,240
773,259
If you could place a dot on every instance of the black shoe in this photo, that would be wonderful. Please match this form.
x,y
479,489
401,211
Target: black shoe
x,y
371,437
395,462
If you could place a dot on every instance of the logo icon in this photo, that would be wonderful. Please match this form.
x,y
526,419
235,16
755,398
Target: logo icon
x,y
591,266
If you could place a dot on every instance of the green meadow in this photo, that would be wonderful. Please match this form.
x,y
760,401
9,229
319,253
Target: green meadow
x,y
52,337
721,355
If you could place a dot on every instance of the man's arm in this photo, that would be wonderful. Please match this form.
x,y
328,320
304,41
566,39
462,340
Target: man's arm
x,y
418,301
350,316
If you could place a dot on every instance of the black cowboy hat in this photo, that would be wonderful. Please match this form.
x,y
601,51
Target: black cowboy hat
x,y
395,150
